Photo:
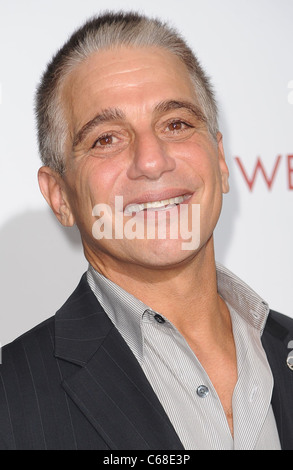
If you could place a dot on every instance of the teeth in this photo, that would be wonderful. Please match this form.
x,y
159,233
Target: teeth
x,y
154,205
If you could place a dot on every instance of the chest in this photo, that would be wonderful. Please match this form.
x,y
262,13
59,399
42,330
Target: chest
x,y
198,388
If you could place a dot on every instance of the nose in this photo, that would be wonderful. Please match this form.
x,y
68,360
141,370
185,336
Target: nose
x,y
151,158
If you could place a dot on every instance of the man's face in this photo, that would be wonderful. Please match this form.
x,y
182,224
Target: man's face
x,y
136,132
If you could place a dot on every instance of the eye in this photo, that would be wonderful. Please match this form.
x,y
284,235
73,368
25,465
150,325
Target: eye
x,y
109,143
177,129
176,126
105,140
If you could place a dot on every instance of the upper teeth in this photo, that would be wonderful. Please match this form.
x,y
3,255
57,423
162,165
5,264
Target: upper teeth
x,y
154,205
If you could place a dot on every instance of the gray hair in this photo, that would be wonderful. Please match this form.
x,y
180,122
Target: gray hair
x,y
103,32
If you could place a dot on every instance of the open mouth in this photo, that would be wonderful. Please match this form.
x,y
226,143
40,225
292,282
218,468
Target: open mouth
x,y
163,205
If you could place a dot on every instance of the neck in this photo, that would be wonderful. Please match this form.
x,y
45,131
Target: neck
x,y
186,295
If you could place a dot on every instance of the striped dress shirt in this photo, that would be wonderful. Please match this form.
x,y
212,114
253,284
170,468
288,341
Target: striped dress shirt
x,y
179,380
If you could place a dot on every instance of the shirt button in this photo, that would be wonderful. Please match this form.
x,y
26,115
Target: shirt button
x,y
202,391
158,318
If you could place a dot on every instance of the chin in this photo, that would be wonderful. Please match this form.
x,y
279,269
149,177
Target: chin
x,y
163,254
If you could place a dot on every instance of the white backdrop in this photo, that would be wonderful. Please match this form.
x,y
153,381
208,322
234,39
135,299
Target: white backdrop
x,y
246,47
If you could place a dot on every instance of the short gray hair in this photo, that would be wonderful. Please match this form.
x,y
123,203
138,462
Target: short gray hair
x,y
103,32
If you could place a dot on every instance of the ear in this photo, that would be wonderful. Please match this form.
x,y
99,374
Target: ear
x,y
52,187
222,163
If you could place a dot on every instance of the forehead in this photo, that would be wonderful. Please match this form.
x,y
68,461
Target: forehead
x,y
126,77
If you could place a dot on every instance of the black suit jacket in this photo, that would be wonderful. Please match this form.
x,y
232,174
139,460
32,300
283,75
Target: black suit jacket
x,y
73,383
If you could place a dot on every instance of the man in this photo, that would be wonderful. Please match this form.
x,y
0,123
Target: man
x,y
157,348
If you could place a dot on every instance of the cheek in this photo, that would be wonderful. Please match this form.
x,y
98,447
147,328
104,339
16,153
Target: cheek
x,y
80,192
199,160
96,181
203,163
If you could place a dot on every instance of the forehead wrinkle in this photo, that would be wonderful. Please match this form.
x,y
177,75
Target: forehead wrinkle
x,y
106,115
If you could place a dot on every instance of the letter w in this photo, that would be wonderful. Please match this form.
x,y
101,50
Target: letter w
x,y
258,167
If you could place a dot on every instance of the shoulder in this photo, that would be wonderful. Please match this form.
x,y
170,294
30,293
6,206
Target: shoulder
x,y
25,367
33,404
17,355
40,340
44,328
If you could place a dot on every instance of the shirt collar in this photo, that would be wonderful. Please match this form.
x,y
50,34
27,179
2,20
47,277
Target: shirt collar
x,y
124,310
244,300
127,312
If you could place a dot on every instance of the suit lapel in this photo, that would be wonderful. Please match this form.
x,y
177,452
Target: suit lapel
x,y
110,387
275,341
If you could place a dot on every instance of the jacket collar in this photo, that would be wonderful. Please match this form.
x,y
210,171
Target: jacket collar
x,y
278,332
109,386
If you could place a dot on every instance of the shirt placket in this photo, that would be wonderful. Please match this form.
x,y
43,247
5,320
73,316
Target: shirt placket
x,y
205,424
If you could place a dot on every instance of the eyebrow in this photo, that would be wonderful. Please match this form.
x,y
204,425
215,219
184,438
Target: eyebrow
x,y
109,114
169,105
116,114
